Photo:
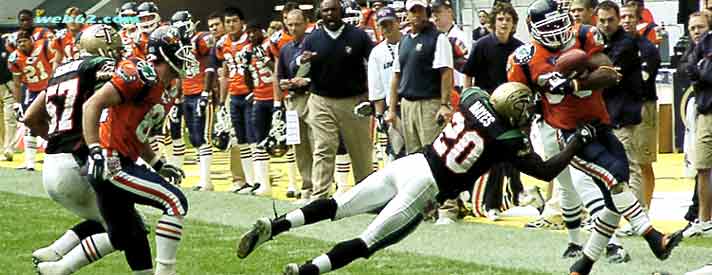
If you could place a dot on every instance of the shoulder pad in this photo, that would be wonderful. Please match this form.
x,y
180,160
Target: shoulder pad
x,y
524,53
597,36
61,33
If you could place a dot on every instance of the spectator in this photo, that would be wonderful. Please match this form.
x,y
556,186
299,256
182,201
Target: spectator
x,y
380,72
482,29
643,152
445,22
25,21
9,121
645,15
646,26
297,96
582,11
698,25
422,83
336,50
699,69
274,27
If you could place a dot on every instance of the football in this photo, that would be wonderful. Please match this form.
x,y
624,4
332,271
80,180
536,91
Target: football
x,y
572,63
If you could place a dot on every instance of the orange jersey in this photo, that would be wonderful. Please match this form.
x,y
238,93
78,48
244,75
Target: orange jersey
x,y
38,33
128,125
261,66
560,111
64,43
226,50
139,47
35,69
648,31
368,24
194,82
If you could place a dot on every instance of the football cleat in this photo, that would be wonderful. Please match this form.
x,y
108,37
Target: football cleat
x,y
291,192
550,223
260,233
666,244
52,268
291,269
45,254
493,214
444,221
616,254
573,251
697,228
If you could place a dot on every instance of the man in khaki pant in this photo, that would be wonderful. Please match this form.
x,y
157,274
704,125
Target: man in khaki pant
x,y
8,124
337,53
422,85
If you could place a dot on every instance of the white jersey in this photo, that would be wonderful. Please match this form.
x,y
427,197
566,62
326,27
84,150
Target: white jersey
x,y
380,70
457,33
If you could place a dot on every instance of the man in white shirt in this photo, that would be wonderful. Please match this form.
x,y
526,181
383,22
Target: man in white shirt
x,y
380,74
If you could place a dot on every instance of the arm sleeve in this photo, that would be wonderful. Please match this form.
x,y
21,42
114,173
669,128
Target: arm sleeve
x,y
282,65
376,91
443,53
694,57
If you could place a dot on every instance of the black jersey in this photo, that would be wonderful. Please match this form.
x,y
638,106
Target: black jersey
x,y
70,86
474,140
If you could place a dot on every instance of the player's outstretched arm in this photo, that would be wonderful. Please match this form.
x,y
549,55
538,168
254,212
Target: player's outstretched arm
x,y
36,117
105,97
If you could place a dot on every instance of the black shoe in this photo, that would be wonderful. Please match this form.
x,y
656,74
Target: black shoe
x,y
662,252
616,254
581,267
254,188
245,189
573,251
291,194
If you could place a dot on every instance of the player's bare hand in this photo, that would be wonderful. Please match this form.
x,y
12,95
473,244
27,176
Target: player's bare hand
x,y
444,114
390,117
300,81
307,56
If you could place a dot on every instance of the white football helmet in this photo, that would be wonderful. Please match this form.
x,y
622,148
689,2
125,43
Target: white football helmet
x,y
148,16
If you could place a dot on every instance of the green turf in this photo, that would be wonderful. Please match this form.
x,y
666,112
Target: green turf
x,y
28,223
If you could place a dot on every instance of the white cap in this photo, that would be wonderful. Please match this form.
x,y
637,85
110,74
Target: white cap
x,y
412,3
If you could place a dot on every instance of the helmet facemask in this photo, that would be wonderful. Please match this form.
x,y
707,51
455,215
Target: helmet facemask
x,y
149,25
554,32
190,65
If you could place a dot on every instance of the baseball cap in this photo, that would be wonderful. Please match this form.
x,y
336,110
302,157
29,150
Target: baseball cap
x,y
440,3
412,3
386,13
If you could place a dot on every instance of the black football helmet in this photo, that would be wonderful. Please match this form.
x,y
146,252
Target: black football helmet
x,y
183,21
350,12
221,138
164,44
128,9
550,23
148,10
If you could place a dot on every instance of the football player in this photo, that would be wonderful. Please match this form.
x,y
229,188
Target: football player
x,y
56,115
136,101
25,20
149,18
31,69
63,44
128,29
258,65
197,104
226,56
569,100
485,130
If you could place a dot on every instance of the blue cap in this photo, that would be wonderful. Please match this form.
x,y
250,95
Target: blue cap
x,y
385,13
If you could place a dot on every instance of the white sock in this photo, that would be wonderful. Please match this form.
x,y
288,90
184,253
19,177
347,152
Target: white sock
x,y
323,263
30,151
143,272
604,227
246,159
574,235
178,153
629,207
90,250
65,243
205,156
341,174
260,159
292,168
382,144
295,218
169,231
614,240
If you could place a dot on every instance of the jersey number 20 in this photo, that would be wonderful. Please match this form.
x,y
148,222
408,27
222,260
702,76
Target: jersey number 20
x,y
459,148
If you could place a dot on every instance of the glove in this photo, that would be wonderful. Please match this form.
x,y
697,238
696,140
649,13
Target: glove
x,y
363,109
202,103
381,124
17,109
96,164
556,83
589,131
169,172
173,114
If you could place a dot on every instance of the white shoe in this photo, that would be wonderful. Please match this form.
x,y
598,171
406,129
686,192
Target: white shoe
x,y
52,268
264,190
533,197
260,233
705,270
291,269
444,221
291,191
45,254
493,214
698,228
